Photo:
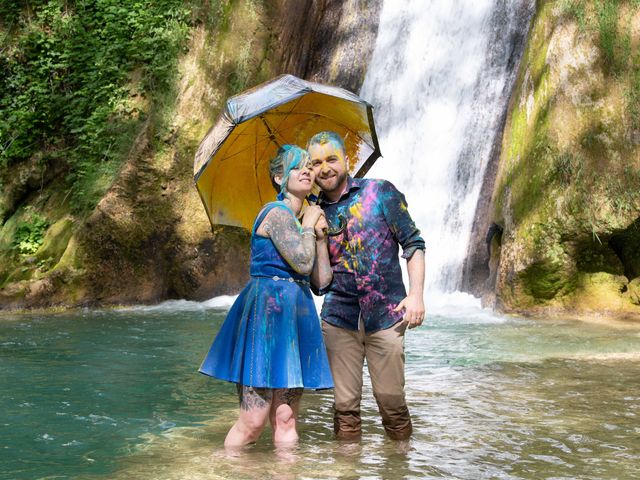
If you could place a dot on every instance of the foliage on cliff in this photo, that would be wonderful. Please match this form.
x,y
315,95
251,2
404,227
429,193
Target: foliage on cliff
x,y
568,188
77,76
103,106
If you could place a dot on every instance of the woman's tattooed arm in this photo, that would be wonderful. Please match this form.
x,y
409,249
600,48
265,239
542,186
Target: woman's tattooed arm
x,y
298,249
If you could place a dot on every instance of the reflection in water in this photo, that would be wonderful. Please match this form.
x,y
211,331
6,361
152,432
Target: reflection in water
x,y
116,395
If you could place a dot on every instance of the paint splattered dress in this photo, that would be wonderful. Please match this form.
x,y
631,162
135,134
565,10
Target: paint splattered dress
x,y
271,337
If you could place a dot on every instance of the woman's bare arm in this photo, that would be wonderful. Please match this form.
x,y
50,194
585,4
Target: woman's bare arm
x,y
298,249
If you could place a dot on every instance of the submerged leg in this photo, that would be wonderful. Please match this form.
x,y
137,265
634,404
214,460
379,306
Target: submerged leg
x,y
284,415
255,404
385,359
345,350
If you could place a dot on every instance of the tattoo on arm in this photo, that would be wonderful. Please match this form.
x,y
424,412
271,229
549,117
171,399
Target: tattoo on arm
x,y
298,250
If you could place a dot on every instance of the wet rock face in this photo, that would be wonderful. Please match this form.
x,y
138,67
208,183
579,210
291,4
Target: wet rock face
x,y
567,192
327,41
149,239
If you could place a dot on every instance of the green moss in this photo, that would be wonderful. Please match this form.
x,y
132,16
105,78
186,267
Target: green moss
x,y
544,280
55,241
607,18
633,291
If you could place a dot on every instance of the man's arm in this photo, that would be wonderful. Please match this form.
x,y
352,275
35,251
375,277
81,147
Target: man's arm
x,y
408,236
413,303
321,275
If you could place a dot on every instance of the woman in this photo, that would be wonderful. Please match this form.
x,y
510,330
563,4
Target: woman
x,y
271,344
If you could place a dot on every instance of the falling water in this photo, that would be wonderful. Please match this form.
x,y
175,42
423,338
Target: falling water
x,y
440,80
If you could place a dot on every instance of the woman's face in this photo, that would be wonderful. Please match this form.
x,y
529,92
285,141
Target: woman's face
x,y
301,179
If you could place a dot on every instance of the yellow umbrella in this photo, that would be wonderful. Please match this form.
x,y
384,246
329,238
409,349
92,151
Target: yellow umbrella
x,y
231,166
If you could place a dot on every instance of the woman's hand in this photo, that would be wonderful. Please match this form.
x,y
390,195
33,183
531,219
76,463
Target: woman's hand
x,y
311,216
321,228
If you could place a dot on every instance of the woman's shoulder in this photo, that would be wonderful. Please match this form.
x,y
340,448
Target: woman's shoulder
x,y
267,207
279,207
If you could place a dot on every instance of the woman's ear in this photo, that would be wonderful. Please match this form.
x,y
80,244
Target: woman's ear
x,y
278,179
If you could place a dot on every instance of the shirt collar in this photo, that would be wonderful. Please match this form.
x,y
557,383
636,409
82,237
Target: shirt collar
x,y
352,184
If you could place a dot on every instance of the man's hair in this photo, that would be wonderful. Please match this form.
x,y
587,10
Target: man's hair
x,y
327,137
288,157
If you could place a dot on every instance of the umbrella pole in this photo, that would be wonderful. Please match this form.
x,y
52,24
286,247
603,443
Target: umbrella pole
x,y
272,133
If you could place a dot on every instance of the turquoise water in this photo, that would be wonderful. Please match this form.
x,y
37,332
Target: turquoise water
x,y
115,394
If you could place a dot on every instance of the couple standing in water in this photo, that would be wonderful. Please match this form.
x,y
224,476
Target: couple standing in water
x,y
346,248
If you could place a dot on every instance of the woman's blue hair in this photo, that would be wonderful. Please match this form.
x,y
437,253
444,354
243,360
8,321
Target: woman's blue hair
x,y
287,158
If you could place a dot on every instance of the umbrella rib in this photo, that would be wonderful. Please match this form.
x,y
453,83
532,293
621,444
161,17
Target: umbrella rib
x,y
272,133
324,116
286,114
241,151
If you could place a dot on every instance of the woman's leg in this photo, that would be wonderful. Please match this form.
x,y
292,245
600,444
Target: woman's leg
x,y
255,405
284,415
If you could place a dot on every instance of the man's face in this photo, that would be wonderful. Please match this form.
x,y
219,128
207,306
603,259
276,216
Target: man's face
x,y
330,166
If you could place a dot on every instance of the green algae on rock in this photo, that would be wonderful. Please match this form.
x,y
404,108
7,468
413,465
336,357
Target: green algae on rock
x,y
568,187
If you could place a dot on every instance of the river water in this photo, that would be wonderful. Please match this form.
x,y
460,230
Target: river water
x,y
116,395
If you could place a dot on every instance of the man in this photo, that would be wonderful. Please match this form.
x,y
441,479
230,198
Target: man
x,y
366,309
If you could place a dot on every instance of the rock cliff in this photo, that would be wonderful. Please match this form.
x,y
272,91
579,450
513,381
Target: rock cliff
x,y
566,204
148,238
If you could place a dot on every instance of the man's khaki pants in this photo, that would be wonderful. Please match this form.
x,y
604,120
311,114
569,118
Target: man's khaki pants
x,y
384,351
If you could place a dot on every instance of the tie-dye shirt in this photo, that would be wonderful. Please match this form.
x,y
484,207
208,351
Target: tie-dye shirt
x,y
365,227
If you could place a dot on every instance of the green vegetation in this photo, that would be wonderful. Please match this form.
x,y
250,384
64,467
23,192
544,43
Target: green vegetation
x,y
105,95
79,76
29,234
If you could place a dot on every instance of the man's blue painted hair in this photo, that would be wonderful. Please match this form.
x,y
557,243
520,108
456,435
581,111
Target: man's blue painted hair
x,y
327,137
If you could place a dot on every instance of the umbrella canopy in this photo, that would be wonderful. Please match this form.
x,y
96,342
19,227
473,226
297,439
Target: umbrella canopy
x,y
231,165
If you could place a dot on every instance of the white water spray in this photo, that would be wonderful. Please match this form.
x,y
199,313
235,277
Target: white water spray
x,y
439,80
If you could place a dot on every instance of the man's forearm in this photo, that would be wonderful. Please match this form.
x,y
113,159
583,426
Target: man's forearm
x,y
321,275
415,269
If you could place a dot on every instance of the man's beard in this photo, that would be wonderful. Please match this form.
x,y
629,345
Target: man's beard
x,y
334,183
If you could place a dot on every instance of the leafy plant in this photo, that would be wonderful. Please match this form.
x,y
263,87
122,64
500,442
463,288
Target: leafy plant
x,y
30,234
68,83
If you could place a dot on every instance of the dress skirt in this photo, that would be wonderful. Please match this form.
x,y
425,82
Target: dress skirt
x,y
271,338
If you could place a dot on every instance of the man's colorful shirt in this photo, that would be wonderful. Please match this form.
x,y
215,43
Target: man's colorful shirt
x,y
365,227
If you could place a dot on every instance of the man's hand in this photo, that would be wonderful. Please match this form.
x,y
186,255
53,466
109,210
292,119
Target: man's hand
x,y
413,306
321,227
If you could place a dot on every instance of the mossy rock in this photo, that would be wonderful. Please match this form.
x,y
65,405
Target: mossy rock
x,y
633,291
56,240
7,234
600,291
545,280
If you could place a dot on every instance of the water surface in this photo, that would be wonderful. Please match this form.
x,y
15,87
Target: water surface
x,y
115,394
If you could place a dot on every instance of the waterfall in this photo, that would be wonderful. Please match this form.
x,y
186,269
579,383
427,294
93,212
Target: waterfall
x,y
440,80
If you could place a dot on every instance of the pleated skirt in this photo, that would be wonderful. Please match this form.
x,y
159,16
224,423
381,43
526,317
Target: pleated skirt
x,y
271,338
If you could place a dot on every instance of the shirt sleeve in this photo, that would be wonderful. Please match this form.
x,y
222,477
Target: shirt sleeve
x,y
321,291
396,213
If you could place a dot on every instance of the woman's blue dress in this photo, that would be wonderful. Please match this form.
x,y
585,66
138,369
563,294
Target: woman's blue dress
x,y
271,337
